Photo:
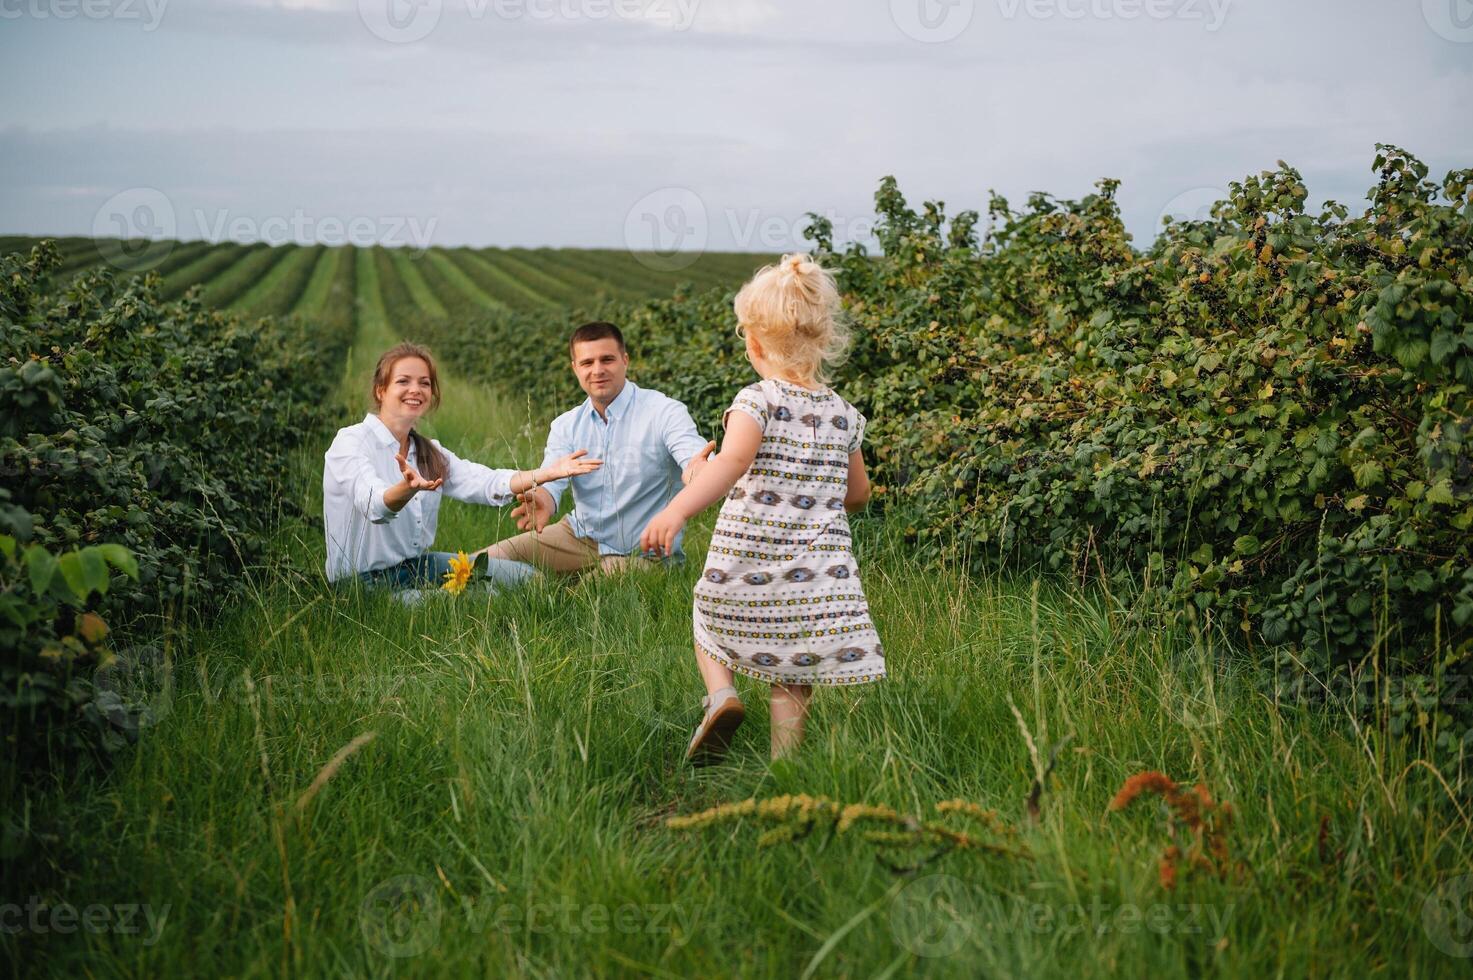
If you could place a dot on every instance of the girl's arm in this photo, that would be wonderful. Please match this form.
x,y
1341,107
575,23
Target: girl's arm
x,y
857,494
720,474
714,481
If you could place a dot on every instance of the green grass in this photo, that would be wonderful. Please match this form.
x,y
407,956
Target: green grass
x,y
214,262
556,262
257,262
456,289
522,265
420,295
373,320
506,818
607,265
279,289
318,291
496,281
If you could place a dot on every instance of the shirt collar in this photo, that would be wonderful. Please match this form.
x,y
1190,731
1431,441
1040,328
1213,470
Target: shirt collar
x,y
621,403
380,431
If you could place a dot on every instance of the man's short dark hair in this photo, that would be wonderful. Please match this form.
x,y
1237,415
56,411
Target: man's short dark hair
x,y
597,330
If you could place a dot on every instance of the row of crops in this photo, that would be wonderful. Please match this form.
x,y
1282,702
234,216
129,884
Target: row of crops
x,y
264,280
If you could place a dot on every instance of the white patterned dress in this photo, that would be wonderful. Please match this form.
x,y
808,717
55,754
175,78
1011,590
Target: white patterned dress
x,y
780,597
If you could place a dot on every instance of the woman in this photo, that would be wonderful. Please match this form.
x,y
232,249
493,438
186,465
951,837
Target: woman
x,y
382,480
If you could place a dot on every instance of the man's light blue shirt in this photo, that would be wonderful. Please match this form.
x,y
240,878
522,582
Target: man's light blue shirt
x,y
646,442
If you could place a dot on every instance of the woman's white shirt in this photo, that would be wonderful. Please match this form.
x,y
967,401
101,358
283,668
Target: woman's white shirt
x,y
363,534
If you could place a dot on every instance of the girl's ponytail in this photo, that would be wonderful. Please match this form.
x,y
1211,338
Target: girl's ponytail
x,y
793,309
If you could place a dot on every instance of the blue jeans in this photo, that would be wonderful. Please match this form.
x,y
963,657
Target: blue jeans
x,y
427,571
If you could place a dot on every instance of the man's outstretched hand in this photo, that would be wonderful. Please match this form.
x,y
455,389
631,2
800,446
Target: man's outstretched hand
x,y
534,511
697,461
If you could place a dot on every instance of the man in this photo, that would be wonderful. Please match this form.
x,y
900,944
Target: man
x,y
645,440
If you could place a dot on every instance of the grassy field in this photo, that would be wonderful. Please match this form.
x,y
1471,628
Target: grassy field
x,y
513,759
262,280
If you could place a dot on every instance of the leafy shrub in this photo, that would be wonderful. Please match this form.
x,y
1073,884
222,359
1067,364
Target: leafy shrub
x,y
131,426
53,640
1268,414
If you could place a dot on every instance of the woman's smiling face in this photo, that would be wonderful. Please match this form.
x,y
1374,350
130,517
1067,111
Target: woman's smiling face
x,y
410,390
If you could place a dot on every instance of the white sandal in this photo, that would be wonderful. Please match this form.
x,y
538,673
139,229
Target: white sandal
x,y
724,712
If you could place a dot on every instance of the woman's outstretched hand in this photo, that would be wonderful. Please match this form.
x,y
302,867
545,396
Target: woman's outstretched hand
x,y
572,465
659,536
412,479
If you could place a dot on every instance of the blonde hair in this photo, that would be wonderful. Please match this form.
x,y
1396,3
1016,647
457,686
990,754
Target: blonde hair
x,y
792,309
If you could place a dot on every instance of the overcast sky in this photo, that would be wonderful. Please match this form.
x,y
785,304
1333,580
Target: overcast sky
x,y
690,123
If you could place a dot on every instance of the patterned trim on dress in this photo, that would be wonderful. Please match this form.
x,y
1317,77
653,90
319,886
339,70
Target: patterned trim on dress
x,y
805,617
809,634
787,525
810,444
806,462
771,603
772,678
741,536
769,556
813,396
816,478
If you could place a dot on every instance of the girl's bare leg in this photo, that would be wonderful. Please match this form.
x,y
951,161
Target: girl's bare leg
x,y
724,712
789,710
714,674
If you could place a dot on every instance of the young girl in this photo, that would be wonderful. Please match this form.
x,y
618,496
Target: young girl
x,y
382,482
780,597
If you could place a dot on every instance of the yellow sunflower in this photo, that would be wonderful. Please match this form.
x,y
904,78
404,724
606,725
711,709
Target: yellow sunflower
x,y
460,573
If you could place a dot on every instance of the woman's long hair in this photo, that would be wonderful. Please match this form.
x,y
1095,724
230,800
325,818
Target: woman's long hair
x,y
429,462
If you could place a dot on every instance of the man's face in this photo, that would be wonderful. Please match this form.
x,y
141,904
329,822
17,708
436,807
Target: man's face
x,y
601,368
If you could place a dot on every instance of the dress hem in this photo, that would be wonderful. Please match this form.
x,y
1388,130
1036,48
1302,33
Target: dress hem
x,y
774,678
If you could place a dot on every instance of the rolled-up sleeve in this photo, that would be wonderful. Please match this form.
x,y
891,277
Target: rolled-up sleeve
x,y
348,468
475,483
559,444
682,438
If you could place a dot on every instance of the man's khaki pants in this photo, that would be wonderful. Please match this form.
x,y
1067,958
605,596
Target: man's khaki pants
x,y
557,549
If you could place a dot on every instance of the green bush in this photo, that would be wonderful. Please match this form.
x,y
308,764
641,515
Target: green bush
x,y
132,426
1268,415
